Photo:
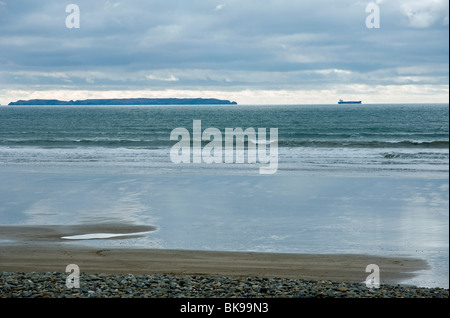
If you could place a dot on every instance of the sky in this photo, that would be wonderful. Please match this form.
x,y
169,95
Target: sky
x,y
248,51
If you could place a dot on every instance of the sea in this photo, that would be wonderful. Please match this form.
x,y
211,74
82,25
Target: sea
x,y
346,179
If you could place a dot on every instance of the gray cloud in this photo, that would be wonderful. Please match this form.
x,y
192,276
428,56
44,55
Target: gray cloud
x,y
198,44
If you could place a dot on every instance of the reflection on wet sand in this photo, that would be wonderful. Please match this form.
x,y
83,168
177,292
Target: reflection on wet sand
x,y
47,233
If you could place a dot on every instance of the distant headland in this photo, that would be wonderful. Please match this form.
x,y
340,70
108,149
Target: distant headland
x,y
128,101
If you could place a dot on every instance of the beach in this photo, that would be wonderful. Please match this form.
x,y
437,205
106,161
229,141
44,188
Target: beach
x,y
280,214
34,264
338,267
109,199
34,270
37,264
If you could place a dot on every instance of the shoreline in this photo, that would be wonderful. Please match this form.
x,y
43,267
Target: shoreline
x,y
334,267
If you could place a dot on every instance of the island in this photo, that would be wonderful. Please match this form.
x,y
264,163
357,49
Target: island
x,y
128,101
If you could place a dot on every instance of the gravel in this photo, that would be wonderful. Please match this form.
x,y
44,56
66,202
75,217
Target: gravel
x,y
53,285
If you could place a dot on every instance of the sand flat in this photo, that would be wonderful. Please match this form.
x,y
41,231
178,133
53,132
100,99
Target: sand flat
x,y
336,267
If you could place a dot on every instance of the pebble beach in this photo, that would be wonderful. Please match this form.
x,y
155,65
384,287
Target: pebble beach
x,y
39,271
53,285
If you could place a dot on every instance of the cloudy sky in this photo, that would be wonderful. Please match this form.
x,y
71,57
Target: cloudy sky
x,y
250,51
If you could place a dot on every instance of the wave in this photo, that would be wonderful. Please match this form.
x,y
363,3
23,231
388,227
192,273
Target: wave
x,y
439,144
159,142
418,155
262,141
88,143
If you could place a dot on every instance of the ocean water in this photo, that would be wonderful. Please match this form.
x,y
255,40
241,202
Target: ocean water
x,y
370,179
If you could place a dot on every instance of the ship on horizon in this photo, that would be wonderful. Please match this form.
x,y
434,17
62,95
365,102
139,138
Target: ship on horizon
x,y
349,102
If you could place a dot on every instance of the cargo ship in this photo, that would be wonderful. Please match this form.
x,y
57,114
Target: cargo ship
x,y
349,102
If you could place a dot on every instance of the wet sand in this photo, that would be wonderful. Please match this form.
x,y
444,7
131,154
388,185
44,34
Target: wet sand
x,y
344,268
44,249
59,233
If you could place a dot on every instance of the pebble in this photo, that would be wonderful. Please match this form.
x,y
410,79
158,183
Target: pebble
x,y
53,285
